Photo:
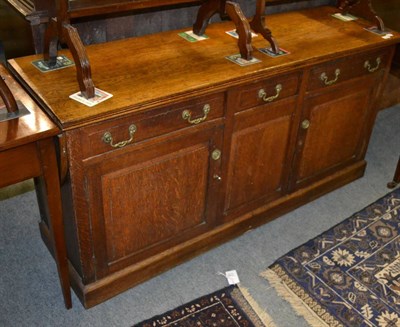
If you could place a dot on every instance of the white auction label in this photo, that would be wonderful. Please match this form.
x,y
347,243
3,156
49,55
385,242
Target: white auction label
x,y
232,277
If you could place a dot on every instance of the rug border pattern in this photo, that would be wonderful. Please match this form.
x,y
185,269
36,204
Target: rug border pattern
x,y
293,292
250,311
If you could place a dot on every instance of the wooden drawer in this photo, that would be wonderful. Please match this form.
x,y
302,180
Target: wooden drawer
x,y
334,72
112,135
266,91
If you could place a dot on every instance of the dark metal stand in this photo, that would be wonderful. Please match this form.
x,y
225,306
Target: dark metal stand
x,y
361,8
68,34
243,27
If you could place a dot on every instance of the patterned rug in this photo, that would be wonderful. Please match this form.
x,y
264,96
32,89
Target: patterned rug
x,y
231,306
349,275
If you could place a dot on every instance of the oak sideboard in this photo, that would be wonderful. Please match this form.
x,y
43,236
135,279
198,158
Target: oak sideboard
x,y
192,149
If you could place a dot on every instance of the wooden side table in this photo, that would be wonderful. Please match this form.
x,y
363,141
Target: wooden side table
x,y
27,150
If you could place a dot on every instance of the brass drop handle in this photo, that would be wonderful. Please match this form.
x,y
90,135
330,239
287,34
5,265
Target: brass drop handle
x,y
187,115
107,138
324,77
305,124
367,65
263,95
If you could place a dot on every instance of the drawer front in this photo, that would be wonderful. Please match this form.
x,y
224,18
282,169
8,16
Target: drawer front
x,y
122,132
344,69
267,91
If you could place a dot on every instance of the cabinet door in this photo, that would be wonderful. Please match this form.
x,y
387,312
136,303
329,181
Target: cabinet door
x,y
334,129
259,156
150,197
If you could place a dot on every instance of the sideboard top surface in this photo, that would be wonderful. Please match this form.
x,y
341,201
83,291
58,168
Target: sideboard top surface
x,y
146,72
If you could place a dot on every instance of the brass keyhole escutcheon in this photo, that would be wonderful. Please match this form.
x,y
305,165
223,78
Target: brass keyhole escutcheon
x,y
305,124
217,177
216,154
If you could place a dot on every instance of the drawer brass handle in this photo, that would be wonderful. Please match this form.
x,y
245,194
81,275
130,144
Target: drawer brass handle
x,y
367,65
107,138
263,95
324,78
187,115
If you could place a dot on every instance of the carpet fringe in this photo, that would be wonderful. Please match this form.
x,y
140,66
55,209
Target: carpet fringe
x,y
262,314
299,307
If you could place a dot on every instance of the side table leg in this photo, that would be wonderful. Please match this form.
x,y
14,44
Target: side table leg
x,y
56,225
396,177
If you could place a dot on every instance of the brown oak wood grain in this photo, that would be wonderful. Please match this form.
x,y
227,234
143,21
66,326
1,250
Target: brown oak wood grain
x,y
275,135
194,68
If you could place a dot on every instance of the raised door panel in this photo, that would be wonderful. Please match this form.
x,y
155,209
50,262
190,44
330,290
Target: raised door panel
x,y
258,156
165,197
334,129
152,199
